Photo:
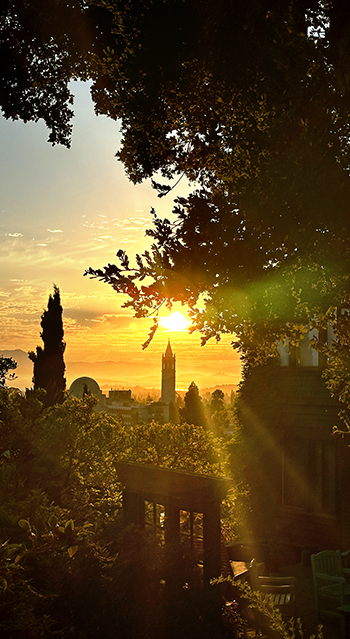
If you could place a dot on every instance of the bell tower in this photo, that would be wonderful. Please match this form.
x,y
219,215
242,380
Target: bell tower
x,y
168,376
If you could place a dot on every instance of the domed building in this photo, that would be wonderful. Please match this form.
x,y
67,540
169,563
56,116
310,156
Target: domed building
x,y
79,384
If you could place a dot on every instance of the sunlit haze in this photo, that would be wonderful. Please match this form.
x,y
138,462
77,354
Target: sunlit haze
x,y
63,210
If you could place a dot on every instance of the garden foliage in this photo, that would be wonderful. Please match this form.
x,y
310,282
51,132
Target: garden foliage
x,y
67,567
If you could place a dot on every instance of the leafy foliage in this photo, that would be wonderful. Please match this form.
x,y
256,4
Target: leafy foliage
x,y
177,446
250,100
56,453
337,372
43,45
259,295
65,561
7,364
271,616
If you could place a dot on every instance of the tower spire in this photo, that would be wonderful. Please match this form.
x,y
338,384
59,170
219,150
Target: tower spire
x,y
168,350
168,376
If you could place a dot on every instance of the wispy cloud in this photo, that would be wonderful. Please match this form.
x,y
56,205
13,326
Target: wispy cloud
x,y
132,222
55,231
14,234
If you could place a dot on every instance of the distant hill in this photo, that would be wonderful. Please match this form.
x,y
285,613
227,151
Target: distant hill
x,y
226,388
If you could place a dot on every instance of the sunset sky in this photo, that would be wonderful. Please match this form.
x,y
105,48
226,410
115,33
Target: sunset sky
x,y
63,211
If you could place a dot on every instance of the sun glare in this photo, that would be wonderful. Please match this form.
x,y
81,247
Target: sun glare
x,y
174,322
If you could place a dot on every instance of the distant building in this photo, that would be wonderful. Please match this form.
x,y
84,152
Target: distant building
x,y
156,411
121,405
297,470
120,396
125,414
81,383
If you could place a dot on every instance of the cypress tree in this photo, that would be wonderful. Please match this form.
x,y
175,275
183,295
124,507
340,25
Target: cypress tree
x,y
49,366
193,410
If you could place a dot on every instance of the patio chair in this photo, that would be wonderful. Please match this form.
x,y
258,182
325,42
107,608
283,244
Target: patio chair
x,y
331,582
281,588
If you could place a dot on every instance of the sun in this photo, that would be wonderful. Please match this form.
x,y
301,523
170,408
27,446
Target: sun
x,y
175,322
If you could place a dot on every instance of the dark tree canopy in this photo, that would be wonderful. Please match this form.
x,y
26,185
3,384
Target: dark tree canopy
x,y
48,362
193,409
44,44
250,101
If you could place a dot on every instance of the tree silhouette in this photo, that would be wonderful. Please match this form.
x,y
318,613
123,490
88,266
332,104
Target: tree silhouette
x,y
217,400
42,47
7,364
193,410
265,137
48,362
249,100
